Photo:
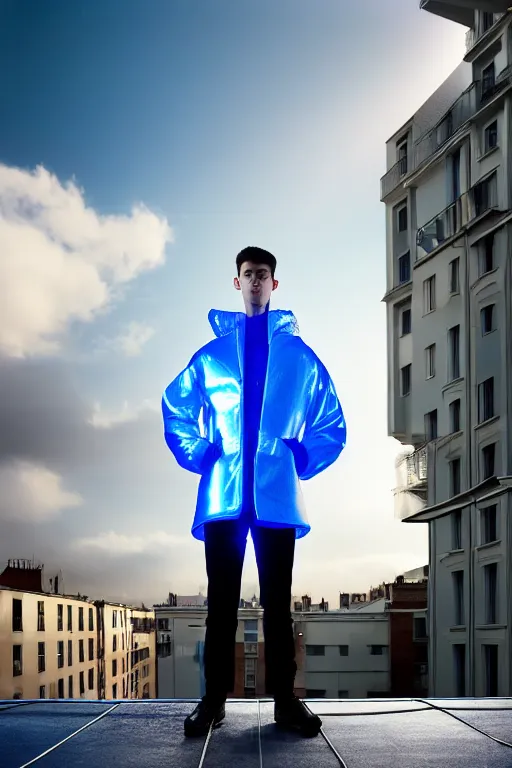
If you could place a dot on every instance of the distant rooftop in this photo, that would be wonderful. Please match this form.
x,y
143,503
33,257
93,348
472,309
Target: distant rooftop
x,y
369,733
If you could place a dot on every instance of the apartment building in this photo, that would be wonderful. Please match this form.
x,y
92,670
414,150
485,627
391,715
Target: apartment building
x,y
48,646
447,193
54,645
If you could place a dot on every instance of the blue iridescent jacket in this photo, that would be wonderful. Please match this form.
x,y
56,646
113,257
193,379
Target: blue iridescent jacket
x,y
203,423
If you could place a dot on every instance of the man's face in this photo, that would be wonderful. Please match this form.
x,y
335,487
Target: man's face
x,y
256,283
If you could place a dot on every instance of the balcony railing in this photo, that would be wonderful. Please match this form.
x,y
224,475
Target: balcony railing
x,y
489,89
392,178
143,626
479,199
487,22
460,112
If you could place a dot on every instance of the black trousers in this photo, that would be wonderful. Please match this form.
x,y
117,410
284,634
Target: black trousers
x,y
225,543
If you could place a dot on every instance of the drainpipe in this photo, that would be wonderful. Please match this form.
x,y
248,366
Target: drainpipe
x,y
469,467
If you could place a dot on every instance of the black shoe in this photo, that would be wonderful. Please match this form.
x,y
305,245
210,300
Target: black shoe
x,y
199,721
293,714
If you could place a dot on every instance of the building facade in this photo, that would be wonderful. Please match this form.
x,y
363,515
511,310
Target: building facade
x,y
56,646
448,200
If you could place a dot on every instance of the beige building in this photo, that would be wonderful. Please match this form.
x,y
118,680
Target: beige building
x,y
69,647
48,646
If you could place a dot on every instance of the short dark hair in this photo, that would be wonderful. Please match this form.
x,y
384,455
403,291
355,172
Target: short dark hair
x,y
257,256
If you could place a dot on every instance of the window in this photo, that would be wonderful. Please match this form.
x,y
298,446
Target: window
x,y
491,588
457,529
402,218
91,620
114,643
454,477
458,594
488,80
41,657
60,654
342,694
430,361
124,670
70,687
429,295
91,679
17,661
343,650
486,255
250,673
315,693
251,631
91,649
491,136
122,642
459,655
488,460
406,322
378,650
114,619
405,375
121,617
81,654
40,615
487,319
486,400
454,276
431,425
455,416
404,268
17,615
488,524
114,667
454,352
80,619
70,653
487,20
401,156
491,669
82,684
420,628
60,619
60,687
114,691
70,618
315,650
42,692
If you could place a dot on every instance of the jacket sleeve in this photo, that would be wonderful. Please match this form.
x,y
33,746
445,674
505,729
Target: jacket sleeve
x,y
325,432
181,407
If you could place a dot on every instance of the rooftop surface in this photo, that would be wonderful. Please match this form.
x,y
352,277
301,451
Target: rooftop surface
x,y
376,733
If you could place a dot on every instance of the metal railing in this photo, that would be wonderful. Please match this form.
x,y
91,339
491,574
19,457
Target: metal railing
x,y
392,178
458,114
416,468
484,25
480,198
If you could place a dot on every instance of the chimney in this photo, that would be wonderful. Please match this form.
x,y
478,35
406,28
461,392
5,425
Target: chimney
x,y
23,575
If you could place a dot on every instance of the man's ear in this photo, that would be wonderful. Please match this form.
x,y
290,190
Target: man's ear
x,y
236,283
275,284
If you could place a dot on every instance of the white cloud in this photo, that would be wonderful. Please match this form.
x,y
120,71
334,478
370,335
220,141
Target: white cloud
x,y
32,493
61,261
118,544
106,419
130,342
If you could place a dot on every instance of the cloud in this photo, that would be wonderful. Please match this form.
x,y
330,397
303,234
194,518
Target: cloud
x,y
117,544
32,493
61,261
105,419
131,342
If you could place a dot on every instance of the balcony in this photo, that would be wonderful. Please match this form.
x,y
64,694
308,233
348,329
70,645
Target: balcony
x,y
143,626
460,112
482,197
412,483
393,177
487,21
459,11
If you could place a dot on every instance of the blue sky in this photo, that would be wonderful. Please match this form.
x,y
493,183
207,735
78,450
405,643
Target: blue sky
x,y
233,124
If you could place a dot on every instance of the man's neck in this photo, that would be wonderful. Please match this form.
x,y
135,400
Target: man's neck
x,y
251,310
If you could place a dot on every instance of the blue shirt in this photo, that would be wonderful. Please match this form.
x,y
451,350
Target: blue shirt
x,y
255,374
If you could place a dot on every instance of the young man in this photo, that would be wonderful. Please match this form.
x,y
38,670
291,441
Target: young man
x,y
270,416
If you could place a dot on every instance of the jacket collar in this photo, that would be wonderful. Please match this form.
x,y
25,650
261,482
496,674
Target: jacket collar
x,y
279,321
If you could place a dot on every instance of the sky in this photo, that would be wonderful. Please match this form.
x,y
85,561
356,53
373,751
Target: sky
x,y
142,145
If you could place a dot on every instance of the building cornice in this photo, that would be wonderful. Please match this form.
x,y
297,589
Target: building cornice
x,y
493,486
